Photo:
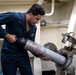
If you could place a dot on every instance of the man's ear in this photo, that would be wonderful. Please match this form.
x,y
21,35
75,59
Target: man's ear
x,y
31,14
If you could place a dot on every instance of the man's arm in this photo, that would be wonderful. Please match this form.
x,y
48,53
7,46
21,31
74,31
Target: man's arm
x,y
4,19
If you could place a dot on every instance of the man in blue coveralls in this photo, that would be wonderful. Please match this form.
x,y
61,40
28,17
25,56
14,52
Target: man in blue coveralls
x,y
18,25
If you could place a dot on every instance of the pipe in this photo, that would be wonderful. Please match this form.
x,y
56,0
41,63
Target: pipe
x,y
52,9
40,50
40,2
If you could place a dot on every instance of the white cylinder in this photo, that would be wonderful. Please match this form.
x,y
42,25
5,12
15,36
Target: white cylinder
x,y
40,50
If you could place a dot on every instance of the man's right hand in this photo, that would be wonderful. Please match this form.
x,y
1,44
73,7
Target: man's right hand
x,y
11,38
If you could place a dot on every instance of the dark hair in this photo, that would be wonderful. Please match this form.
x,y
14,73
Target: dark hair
x,y
36,9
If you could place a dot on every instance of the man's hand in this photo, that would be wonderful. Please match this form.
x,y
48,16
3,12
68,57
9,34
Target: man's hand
x,y
46,58
11,38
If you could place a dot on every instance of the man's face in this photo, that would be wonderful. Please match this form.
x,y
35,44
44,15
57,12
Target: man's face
x,y
34,19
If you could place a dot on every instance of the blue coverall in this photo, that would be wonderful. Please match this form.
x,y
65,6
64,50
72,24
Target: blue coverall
x,y
12,56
